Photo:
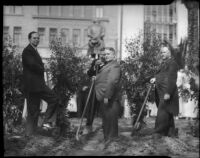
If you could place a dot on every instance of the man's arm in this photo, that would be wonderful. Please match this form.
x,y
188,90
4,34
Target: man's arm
x,y
112,82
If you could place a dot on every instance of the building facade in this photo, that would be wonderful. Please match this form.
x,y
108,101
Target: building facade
x,y
163,20
70,23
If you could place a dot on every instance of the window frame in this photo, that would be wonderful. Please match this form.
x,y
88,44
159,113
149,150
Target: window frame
x,y
17,42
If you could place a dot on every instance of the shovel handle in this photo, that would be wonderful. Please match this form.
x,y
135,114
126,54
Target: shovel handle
x,y
77,132
143,106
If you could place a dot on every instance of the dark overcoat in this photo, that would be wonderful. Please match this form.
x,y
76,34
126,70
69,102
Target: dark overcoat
x,y
166,83
107,85
33,70
107,81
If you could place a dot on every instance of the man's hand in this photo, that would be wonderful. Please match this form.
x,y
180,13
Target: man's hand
x,y
166,96
84,88
98,62
105,100
153,80
93,78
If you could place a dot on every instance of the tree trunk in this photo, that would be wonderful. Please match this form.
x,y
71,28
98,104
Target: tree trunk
x,y
193,33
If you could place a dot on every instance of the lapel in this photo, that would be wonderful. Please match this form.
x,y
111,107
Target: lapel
x,y
36,54
107,66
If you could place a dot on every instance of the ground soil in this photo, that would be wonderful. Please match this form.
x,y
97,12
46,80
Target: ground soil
x,y
142,143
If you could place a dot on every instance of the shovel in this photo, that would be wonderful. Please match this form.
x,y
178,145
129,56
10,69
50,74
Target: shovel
x,y
86,104
137,123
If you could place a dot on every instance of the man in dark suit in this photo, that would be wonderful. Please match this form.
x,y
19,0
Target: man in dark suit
x,y
93,106
166,95
35,88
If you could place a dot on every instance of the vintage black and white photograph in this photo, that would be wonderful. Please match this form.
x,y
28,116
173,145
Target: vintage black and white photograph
x,y
101,80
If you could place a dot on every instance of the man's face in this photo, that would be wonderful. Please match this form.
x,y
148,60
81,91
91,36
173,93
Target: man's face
x,y
108,55
34,40
165,53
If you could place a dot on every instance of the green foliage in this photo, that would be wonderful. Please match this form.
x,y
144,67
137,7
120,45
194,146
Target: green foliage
x,y
68,76
12,90
67,69
140,67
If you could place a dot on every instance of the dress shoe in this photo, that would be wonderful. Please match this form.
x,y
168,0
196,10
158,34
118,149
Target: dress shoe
x,y
87,130
47,126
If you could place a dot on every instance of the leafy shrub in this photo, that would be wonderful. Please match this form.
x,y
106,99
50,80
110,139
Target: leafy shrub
x,y
139,68
68,73
12,89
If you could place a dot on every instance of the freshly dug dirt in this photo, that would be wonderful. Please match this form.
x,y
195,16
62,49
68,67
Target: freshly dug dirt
x,y
142,143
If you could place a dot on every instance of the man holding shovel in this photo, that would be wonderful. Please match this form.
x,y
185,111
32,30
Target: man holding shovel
x,y
93,105
166,95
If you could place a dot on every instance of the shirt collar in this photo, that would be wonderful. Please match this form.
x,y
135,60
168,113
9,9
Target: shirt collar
x,y
33,47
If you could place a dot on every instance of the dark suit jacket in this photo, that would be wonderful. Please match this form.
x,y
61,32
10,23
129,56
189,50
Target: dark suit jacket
x,y
33,70
166,83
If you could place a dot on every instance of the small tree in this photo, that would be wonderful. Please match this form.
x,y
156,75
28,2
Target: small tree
x,y
139,67
68,73
12,90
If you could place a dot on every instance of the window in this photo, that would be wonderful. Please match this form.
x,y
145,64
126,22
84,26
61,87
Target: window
x,y
85,40
159,30
170,33
52,34
171,13
153,27
166,30
43,10
148,10
13,10
65,36
66,11
99,12
76,37
88,11
147,15
41,32
6,9
77,11
159,13
165,13
5,32
54,11
17,35
174,31
18,9
154,13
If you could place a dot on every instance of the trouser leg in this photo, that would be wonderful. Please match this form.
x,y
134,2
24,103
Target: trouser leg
x,y
172,131
81,102
51,113
162,121
172,124
91,110
33,110
110,114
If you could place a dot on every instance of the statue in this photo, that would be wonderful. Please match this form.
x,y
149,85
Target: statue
x,y
96,33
